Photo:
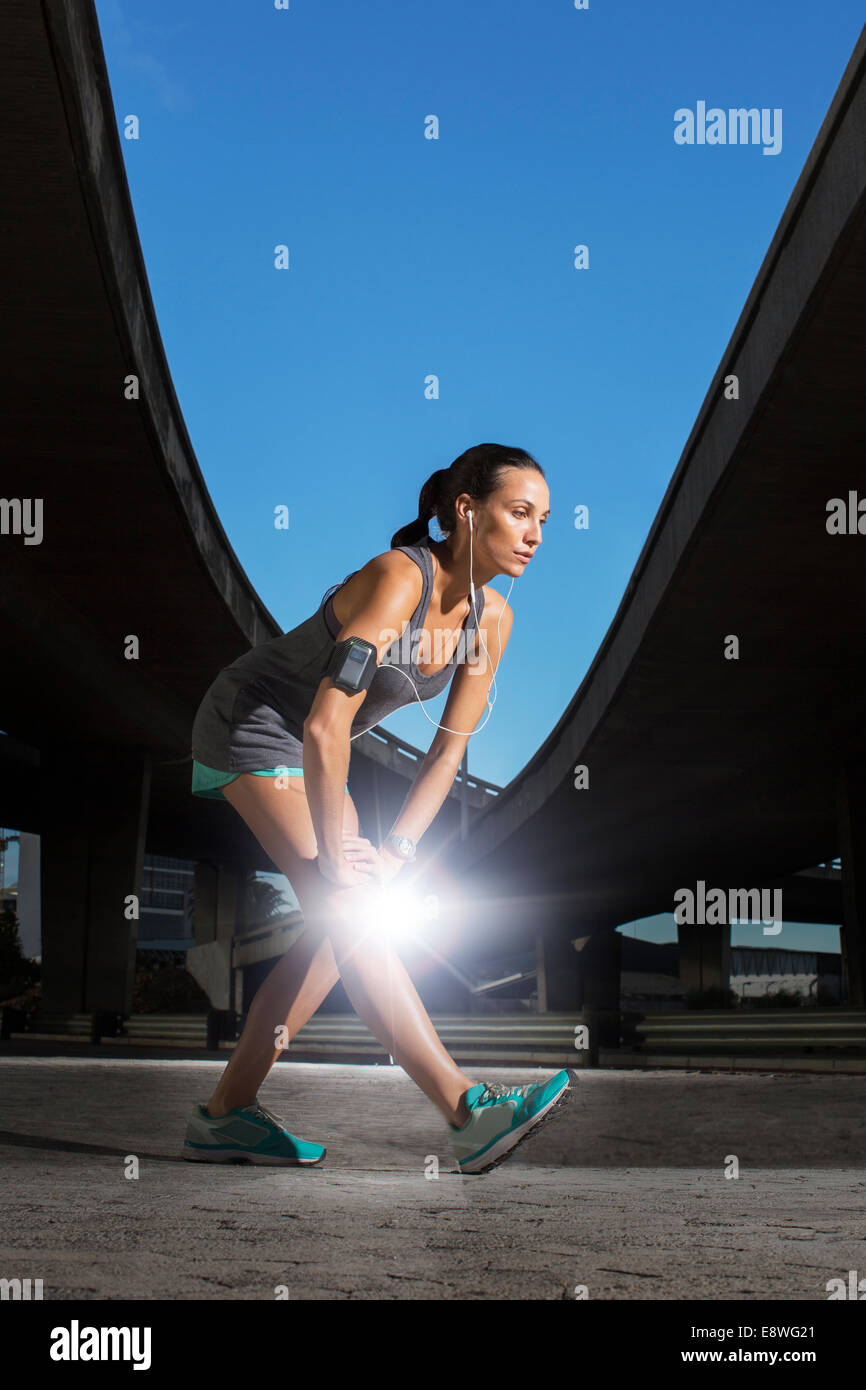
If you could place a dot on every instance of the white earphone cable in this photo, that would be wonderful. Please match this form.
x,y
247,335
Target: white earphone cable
x,y
490,703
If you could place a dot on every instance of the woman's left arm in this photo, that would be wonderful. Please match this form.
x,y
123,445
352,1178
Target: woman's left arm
x,y
466,703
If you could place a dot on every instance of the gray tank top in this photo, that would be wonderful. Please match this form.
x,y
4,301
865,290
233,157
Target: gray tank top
x,y
233,728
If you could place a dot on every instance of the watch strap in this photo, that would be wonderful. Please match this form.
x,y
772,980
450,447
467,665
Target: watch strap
x,y
398,844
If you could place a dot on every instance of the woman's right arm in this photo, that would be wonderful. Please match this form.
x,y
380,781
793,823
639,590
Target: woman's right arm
x,y
385,594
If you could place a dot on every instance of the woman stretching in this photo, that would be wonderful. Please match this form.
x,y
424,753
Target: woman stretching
x,y
272,736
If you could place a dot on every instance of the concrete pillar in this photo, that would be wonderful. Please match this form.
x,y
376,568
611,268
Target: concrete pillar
x,y
559,979
599,958
579,973
705,955
851,811
218,914
29,895
94,817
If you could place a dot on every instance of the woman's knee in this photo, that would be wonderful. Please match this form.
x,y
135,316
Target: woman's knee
x,y
345,915
323,902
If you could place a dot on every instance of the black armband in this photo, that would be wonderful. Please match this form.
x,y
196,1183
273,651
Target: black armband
x,y
352,665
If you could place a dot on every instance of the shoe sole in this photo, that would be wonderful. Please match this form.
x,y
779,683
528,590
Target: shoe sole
x,y
504,1147
243,1156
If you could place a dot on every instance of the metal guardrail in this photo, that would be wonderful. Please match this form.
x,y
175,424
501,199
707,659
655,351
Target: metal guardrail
x,y
502,1039
500,1042
104,1024
754,1030
507,1039
93,1026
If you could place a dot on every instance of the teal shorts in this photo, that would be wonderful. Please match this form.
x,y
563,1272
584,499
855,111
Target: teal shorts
x,y
207,781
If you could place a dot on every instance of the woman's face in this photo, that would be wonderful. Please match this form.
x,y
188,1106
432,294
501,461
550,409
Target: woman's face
x,y
507,527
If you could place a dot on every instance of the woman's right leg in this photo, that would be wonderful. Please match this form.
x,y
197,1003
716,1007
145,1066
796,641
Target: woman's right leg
x,y
374,977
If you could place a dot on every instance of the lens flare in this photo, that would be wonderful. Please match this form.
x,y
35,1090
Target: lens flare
x,y
396,912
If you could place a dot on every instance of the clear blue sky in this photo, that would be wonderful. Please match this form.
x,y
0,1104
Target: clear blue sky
x,y
454,257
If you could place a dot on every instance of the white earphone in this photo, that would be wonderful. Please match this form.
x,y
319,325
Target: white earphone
x,y
490,703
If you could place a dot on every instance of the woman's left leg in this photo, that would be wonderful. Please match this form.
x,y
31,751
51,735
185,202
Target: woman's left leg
x,y
289,996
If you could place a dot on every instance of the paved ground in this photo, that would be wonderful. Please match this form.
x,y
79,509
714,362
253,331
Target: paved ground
x,y
625,1193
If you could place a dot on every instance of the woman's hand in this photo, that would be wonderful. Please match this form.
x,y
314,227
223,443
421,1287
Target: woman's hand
x,y
361,863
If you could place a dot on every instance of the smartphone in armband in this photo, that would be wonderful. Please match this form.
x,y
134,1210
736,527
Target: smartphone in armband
x,y
352,665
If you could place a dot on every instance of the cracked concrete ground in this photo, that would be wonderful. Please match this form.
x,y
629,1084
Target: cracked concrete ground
x,y
625,1193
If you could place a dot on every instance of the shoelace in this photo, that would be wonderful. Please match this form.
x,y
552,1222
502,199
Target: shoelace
x,y
497,1090
261,1110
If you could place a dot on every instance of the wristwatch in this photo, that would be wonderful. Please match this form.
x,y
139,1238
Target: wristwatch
x,y
401,845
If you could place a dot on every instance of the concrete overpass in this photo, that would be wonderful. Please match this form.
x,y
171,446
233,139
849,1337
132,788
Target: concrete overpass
x,y
738,772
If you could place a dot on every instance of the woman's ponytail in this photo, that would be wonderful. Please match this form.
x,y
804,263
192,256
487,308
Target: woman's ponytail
x,y
428,502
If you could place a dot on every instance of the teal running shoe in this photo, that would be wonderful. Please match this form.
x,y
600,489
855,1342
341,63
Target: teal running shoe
x,y
247,1134
501,1117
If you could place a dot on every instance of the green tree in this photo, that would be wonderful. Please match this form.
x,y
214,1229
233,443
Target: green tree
x,y
264,900
16,971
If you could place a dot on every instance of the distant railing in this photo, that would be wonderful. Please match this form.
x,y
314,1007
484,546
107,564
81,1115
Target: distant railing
x,y
761,1032
417,755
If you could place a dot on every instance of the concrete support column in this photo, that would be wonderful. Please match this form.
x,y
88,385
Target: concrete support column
x,y
851,810
218,912
580,974
29,894
559,979
94,818
599,958
705,955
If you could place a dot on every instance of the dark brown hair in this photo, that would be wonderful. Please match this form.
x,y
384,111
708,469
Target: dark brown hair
x,y
477,471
